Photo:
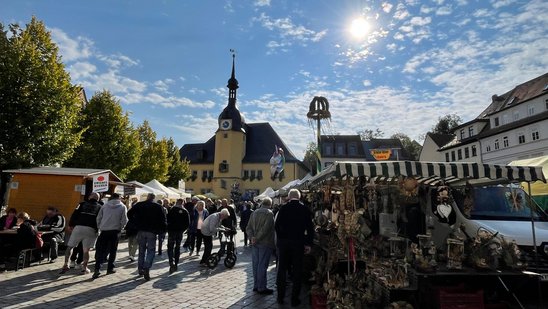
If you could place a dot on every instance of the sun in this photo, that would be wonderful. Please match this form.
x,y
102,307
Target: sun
x,y
359,28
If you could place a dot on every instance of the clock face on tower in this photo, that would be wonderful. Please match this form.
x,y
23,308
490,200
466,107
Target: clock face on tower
x,y
226,124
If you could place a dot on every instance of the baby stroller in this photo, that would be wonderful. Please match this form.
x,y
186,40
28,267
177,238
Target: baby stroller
x,y
227,238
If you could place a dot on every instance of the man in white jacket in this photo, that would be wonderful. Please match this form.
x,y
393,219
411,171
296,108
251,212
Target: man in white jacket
x,y
210,226
112,218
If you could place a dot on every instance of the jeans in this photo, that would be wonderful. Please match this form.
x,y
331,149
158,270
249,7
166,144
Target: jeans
x,y
290,256
51,245
132,245
199,239
245,238
147,249
261,258
174,247
107,245
161,238
208,246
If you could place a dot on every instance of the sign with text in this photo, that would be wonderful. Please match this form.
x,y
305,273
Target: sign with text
x,y
381,154
129,190
100,183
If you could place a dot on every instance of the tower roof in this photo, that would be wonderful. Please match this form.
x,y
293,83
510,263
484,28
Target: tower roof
x,y
231,111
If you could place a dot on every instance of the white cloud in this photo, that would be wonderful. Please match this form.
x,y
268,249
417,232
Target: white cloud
x,y
262,3
71,49
163,85
420,21
500,3
387,7
81,70
401,12
426,9
367,83
462,2
444,10
288,32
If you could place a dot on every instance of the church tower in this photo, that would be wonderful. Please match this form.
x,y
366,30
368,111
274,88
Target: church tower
x,y
230,140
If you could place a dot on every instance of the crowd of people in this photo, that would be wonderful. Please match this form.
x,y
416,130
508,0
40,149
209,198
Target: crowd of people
x,y
286,232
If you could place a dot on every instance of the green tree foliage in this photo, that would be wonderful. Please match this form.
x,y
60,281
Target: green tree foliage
x,y
446,124
310,157
39,107
412,147
178,169
154,161
369,134
109,140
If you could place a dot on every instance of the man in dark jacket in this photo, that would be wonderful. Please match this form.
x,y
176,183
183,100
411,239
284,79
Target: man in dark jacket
x,y
151,221
189,206
54,222
83,223
244,219
295,233
178,221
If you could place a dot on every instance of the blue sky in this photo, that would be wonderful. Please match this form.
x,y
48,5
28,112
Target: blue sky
x,y
169,61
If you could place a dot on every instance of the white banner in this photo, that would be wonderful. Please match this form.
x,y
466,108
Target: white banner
x,y
100,183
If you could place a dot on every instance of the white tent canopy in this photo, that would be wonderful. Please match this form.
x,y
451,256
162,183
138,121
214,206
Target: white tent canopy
x,y
181,192
155,184
268,192
141,189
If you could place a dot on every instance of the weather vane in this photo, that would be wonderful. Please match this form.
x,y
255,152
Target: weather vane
x,y
233,51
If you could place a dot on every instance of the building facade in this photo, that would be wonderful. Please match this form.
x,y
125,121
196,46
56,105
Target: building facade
x,y
352,148
237,157
513,127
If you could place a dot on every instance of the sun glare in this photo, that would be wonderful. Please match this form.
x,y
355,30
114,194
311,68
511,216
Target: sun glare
x,y
359,28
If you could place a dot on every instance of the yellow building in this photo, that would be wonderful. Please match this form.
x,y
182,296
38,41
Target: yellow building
x,y
238,155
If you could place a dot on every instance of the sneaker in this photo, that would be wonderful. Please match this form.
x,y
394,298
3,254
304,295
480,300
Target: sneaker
x,y
64,269
191,251
146,274
72,264
53,260
96,275
132,258
266,292
111,271
85,271
171,269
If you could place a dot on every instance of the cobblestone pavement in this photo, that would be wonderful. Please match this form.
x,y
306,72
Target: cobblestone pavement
x,y
41,286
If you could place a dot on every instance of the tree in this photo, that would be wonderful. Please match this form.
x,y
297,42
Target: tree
x,y
446,124
39,107
178,169
109,140
154,161
311,157
368,134
412,147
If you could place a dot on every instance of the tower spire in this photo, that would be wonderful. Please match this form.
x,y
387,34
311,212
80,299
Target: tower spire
x,y
232,82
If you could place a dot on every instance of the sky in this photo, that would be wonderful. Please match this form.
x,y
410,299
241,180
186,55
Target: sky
x,y
409,63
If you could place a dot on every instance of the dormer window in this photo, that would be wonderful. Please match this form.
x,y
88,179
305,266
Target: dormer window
x,y
497,121
200,154
470,131
512,100
462,134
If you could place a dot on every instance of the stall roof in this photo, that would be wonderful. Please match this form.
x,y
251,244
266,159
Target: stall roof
x,y
427,170
62,171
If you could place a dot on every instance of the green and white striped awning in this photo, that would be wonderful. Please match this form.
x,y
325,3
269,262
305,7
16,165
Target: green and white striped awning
x,y
428,171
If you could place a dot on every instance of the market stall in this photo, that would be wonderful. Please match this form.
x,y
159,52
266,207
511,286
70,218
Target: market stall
x,y
386,229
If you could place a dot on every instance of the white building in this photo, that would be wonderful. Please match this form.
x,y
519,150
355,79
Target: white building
x,y
513,127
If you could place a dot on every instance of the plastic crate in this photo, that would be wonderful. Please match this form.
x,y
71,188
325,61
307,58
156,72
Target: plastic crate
x,y
461,300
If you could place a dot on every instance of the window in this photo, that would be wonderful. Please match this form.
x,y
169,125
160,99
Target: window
x,y
516,116
505,119
340,149
496,121
223,184
453,156
512,100
328,149
470,131
223,167
521,138
194,175
447,157
459,154
204,175
462,134
534,134
497,145
505,141
225,135
466,153
200,154
488,148
253,175
474,151
246,175
352,149
259,174
530,110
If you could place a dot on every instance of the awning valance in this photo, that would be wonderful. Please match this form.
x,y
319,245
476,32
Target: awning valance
x,y
443,170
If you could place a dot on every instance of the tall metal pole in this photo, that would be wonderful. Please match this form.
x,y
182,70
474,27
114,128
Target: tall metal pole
x,y
532,209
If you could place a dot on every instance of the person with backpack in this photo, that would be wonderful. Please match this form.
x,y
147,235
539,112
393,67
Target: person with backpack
x,y
83,224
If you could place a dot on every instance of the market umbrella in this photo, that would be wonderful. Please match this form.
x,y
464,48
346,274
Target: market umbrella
x,y
211,195
158,186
